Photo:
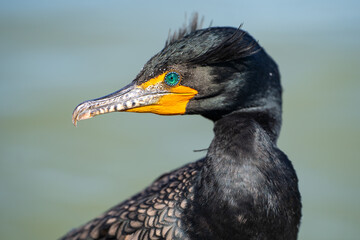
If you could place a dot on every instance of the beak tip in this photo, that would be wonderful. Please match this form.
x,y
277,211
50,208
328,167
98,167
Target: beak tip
x,y
81,115
74,120
75,117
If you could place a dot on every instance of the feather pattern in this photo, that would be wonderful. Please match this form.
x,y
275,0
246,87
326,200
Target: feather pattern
x,y
155,213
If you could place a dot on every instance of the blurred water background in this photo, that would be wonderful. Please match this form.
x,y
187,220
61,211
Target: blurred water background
x,y
56,54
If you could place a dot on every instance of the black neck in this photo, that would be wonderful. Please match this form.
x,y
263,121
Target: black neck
x,y
240,180
268,117
240,146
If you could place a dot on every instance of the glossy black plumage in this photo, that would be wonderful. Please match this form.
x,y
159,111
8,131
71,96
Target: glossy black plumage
x,y
245,187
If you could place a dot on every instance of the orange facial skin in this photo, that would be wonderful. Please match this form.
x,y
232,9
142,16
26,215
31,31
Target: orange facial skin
x,y
173,101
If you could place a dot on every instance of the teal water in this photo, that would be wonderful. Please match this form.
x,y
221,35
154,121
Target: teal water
x,y
53,55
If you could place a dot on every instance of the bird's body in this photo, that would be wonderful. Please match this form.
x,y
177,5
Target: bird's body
x,y
245,187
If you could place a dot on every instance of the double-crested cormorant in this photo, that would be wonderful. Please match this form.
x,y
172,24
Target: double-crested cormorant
x,y
245,187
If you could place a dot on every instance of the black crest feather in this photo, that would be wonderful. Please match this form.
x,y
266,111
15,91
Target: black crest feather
x,y
236,46
186,29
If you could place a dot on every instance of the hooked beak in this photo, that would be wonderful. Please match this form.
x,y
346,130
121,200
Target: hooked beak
x,y
152,96
117,101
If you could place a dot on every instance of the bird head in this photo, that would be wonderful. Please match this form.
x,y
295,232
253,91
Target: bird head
x,y
212,72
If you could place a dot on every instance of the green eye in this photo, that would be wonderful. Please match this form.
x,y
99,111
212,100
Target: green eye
x,y
172,78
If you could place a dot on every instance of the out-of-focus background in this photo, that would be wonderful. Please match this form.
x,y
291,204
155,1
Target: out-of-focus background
x,y
56,54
